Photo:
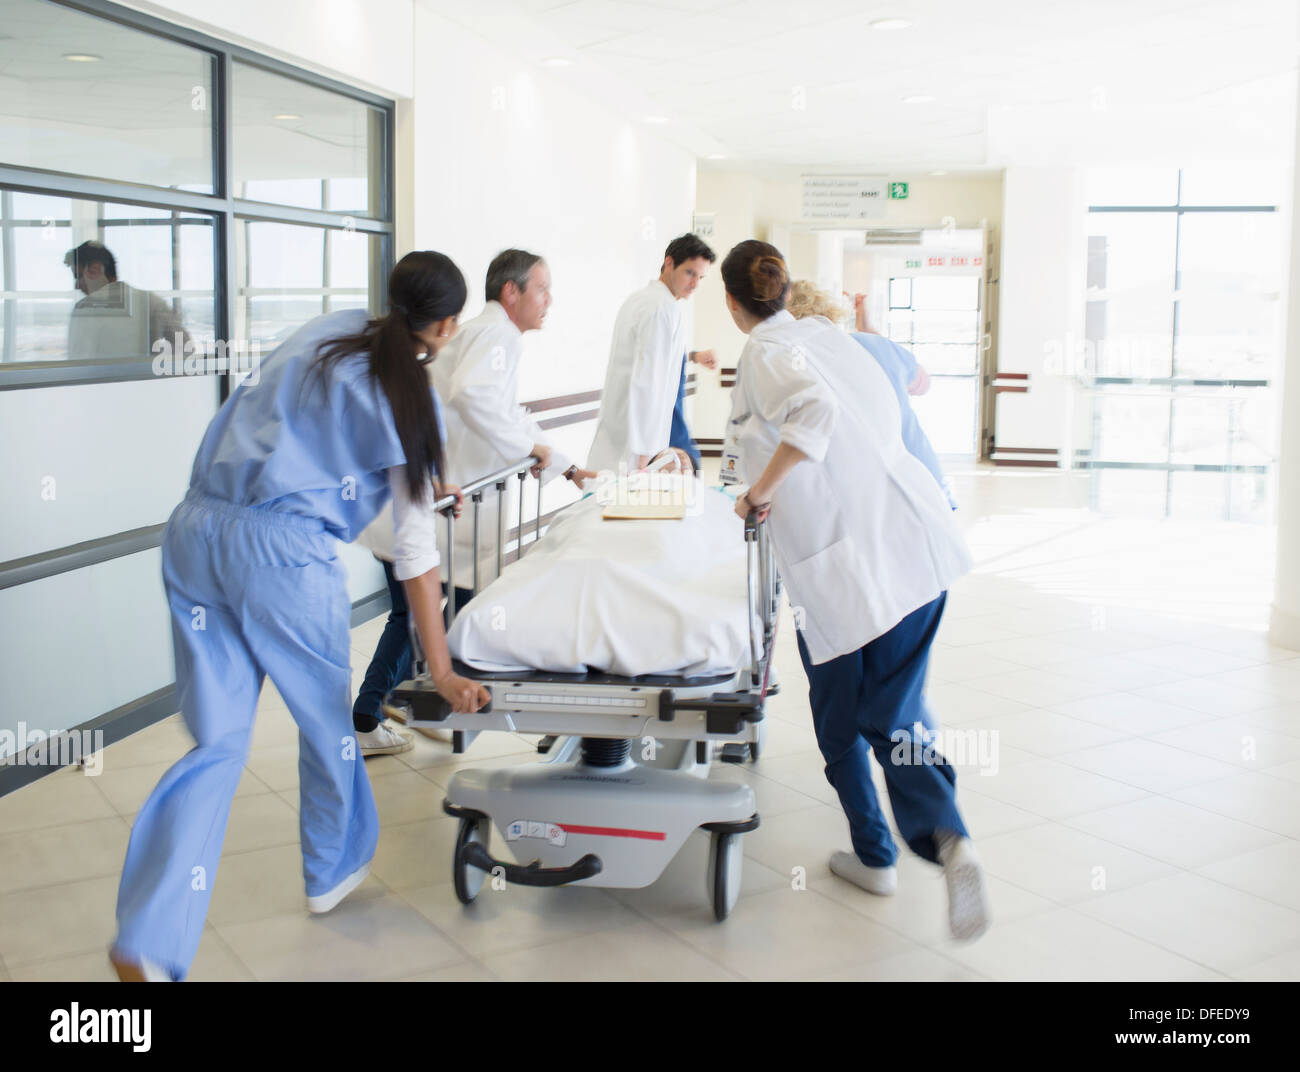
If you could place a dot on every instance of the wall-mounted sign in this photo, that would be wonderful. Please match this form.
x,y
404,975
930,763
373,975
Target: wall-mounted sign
x,y
702,224
898,191
844,197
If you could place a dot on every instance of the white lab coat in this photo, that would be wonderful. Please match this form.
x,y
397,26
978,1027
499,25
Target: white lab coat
x,y
641,380
861,532
476,377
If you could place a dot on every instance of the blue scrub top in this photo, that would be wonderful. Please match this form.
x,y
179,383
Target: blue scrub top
x,y
900,366
288,443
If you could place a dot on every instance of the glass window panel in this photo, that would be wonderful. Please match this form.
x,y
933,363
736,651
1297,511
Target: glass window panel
x,y
1131,186
900,293
148,249
1250,498
1232,336
89,461
1230,252
1233,184
947,414
116,312
945,292
1131,492
1131,427
1198,496
1201,430
947,358
298,144
1254,426
1134,253
1139,251
282,269
341,195
77,644
900,326
944,326
89,96
39,206
349,266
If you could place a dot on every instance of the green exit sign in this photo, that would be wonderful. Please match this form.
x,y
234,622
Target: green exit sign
x,y
898,191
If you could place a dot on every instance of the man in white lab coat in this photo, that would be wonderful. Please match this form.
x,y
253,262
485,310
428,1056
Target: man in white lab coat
x,y
476,376
645,362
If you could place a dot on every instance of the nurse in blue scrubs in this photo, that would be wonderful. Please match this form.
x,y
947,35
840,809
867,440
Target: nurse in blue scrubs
x,y
339,419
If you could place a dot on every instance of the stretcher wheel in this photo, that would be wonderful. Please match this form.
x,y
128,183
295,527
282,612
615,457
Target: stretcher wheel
x,y
725,864
468,880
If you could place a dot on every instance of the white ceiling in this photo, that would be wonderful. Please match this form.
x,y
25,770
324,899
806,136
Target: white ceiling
x,y
786,83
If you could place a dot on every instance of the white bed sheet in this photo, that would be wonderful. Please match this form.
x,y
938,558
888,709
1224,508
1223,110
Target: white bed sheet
x,y
620,597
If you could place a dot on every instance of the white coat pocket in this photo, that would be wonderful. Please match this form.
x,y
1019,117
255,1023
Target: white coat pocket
x,y
830,594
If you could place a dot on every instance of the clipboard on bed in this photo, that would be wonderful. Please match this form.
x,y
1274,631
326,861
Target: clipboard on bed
x,y
644,511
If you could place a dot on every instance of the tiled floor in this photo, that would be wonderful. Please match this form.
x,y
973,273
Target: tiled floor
x,y
1137,804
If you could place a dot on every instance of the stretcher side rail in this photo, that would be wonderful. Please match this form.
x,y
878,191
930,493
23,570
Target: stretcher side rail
x,y
446,506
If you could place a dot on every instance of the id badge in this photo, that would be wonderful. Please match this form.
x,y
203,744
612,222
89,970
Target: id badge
x,y
730,471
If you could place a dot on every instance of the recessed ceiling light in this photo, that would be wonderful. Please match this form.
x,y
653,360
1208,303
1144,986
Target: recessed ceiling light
x,y
716,156
286,115
919,98
81,57
656,119
557,61
890,24
937,173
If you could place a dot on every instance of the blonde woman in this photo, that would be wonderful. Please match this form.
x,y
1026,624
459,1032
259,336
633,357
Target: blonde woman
x,y
905,374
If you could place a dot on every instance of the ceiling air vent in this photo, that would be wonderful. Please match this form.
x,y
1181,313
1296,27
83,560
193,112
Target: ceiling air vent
x,y
893,237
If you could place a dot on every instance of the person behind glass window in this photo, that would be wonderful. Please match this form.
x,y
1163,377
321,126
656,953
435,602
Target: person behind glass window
x,y
115,319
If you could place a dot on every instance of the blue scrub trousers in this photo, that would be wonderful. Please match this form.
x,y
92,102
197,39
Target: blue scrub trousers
x,y
680,436
869,701
391,664
252,592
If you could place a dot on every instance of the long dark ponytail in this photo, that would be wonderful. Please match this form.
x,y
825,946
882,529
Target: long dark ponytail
x,y
425,287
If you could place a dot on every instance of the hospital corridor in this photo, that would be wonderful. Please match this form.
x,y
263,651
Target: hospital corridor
x,y
650,491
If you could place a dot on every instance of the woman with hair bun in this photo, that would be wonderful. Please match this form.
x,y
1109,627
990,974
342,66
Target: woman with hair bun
x,y
867,547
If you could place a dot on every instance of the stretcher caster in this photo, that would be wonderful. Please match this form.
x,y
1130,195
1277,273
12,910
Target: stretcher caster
x,y
725,864
467,878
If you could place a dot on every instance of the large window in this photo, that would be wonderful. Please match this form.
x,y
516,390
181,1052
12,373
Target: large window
x,y
1184,274
170,209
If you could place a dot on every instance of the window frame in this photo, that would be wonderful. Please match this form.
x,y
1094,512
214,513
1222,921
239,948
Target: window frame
x,y
1172,383
226,212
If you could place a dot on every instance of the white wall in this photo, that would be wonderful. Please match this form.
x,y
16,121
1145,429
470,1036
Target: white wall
x,y
1044,258
732,196
502,155
492,152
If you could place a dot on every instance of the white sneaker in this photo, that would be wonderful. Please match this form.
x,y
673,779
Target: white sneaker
x,y
325,901
382,741
143,971
968,907
882,881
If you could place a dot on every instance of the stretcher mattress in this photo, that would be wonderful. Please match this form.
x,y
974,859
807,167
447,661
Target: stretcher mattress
x,y
618,597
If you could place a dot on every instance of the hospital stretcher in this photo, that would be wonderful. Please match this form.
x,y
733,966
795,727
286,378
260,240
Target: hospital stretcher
x,y
624,781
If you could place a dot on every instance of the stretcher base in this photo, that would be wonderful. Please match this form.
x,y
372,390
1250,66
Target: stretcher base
x,y
565,821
